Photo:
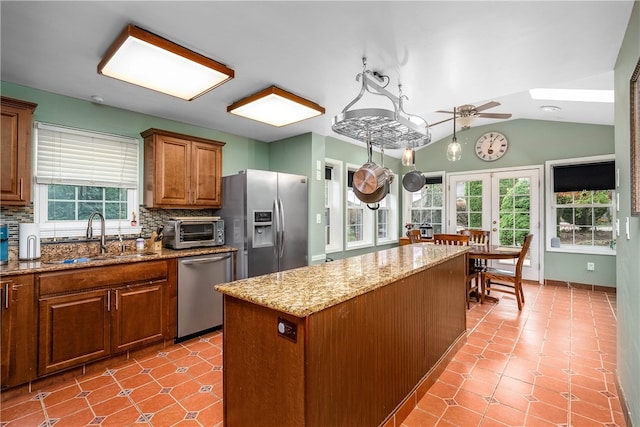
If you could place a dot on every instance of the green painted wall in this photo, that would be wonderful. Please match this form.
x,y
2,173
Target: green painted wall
x,y
357,155
628,250
532,142
298,155
238,153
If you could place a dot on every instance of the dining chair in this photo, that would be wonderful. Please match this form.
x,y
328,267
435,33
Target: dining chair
x,y
478,237
508,282
481,238
414,236
451,239
471,275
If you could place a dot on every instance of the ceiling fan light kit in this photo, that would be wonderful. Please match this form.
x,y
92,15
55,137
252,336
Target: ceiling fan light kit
x,y
467,114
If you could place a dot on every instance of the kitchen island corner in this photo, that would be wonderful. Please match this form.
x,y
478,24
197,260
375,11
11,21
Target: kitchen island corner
x,y
343,343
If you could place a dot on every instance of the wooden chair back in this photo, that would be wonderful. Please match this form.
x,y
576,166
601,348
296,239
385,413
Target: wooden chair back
x,y
451,239
523,254
478,237
414,236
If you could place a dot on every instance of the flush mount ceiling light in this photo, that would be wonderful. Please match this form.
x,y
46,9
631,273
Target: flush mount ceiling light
x,y
150,61
275,107
580,95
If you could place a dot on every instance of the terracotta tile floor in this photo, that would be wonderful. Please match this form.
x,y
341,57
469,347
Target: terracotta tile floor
x,y
552,364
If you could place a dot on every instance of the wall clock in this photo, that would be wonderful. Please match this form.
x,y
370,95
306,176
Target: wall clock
x,y
491,146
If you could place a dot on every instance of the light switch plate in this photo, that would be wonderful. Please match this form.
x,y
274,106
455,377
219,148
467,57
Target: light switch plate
x,y
318,218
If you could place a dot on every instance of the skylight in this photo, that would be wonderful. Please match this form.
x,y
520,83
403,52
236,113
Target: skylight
x,y
579,95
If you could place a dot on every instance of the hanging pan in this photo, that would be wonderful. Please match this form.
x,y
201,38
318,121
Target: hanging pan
x,y
413,181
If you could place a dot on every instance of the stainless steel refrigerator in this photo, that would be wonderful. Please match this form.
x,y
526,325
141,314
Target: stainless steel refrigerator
x,y
265,217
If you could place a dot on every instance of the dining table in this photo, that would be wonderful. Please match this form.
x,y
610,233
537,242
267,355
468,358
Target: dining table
x,y
488,252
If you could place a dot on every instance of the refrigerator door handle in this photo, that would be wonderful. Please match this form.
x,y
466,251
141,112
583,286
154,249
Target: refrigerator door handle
x,y
282,228
276,235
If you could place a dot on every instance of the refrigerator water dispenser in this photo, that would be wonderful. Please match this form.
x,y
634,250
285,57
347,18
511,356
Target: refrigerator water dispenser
x,y
262,229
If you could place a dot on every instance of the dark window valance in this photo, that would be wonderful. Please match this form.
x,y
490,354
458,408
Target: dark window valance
x,y
350,178
584,176
328,173
434,180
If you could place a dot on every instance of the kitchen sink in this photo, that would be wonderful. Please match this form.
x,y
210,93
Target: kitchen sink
x,y
80,260
135,255
76,260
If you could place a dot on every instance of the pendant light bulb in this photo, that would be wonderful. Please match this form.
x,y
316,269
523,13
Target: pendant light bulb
x,y
454,149
408,157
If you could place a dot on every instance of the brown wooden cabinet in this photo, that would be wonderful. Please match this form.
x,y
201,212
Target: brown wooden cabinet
x,y
15,140
89,314
138,317
17,346
181,171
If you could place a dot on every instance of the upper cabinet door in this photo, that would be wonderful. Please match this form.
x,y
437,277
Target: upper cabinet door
x,y
15,163
181,171
173,167
206,169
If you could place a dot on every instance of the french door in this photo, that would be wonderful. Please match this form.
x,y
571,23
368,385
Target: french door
x,y
507,202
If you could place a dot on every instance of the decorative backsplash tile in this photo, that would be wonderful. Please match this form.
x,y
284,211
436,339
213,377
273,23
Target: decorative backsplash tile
x,y
149,219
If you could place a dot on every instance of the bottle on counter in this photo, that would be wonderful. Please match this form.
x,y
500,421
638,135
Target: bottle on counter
x,y
140,244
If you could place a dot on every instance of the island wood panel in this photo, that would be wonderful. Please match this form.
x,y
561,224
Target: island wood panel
x,y
353,363
263,372
367,354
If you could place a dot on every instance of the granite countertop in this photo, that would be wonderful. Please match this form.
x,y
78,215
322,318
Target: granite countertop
x,y
307,290
40,266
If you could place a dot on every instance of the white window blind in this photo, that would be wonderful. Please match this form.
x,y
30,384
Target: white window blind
x,y
78,157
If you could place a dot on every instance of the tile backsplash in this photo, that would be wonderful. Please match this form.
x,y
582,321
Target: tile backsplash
x,y
149,220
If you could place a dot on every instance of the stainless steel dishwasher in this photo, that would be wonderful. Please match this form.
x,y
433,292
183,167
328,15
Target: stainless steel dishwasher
x,y
199,305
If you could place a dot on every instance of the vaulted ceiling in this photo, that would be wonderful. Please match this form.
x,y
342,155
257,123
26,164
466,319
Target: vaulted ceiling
x,y
444,53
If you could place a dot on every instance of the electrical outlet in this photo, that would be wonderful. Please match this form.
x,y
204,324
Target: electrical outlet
x,y
591,266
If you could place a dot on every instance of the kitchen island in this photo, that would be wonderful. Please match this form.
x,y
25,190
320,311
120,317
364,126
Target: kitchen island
x,y
346,343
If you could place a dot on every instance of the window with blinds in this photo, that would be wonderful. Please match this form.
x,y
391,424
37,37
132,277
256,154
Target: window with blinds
x,y
78,172
581,211
70,156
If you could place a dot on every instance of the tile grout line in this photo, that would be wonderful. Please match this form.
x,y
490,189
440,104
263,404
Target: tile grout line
x,y
571,320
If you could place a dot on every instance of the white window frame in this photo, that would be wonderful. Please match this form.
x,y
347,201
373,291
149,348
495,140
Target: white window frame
x,y
367,216
333,201
389,203
407,200
552,208
55,229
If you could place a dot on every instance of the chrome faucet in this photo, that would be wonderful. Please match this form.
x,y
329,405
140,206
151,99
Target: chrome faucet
x,y
103,245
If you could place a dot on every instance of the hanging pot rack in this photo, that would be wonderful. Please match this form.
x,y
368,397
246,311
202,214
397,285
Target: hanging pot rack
x,y
386,129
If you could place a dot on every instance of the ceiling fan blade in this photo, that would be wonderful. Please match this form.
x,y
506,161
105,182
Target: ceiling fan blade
x,y
487,106
441,121
494,115
442,111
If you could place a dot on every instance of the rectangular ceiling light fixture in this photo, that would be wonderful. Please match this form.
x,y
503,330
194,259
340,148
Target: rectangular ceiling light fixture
x,y
275,107
579,95
153,62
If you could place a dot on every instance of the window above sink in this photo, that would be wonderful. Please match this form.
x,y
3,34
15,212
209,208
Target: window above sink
x,y
78,172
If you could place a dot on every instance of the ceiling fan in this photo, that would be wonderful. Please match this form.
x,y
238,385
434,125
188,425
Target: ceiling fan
x,y
466,113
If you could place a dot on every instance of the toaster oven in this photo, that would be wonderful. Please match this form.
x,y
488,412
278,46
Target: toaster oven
x,y
193,232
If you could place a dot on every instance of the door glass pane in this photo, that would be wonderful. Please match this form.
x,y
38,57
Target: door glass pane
x,y
515,203
468,205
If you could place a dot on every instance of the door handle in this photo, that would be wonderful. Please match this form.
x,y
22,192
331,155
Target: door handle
x,y
281,245
495,229
204,260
